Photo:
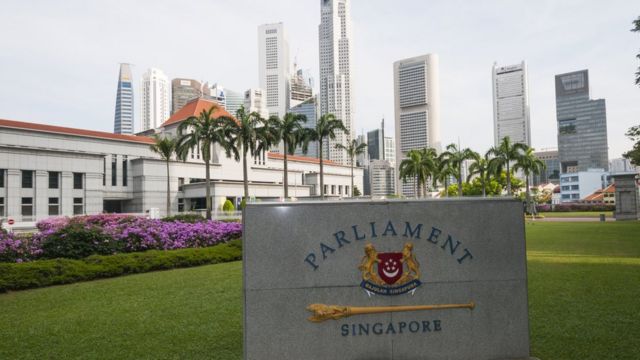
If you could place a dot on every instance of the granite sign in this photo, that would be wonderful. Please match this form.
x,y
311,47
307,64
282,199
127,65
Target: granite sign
x,y
385,280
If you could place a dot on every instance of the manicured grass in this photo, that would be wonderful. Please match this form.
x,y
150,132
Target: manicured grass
x,y
576,214
583,298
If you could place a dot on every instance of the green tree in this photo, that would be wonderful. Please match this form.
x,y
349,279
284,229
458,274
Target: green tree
x,y
413,167
529,164
634,154
166,147
356,191
289,129
248,136
353,149
204,131
636,28
442,173
326,128
504,154
429,166
480,167
454,158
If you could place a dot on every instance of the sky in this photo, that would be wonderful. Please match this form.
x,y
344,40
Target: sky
x,y
59,60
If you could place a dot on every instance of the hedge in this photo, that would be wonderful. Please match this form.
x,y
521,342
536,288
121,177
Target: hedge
x,y
19,276
566,207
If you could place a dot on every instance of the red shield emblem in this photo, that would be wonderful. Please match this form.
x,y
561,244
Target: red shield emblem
x,y
390,267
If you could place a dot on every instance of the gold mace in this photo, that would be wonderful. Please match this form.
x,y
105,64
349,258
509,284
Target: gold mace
x,y
322,312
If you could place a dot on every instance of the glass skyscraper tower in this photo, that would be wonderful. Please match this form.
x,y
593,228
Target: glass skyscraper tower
x,y
123,121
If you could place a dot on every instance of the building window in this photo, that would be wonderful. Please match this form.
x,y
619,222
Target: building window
x,y
340,189
54,206
124,170
1,206
333,189
346,190
54,180
2,178
180,183
27,179
27,208
77,181
78,206
326,189
181,205
114,170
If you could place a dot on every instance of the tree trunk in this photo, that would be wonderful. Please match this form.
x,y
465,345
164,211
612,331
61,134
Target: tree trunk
x,y
415,188
528,197
208,188
285,181
460,179
321,171
508,179
351,177
484,186
245,174
168,191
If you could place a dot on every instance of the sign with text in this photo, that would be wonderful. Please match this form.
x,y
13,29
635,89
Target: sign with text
x,y
439,279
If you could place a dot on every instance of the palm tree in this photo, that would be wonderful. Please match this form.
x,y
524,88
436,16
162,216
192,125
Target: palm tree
x,y
454,158
166,147
530,165
504,154
413,167
429,166
480,167
204,131
326,128
353,149
289,129
443,171
248,137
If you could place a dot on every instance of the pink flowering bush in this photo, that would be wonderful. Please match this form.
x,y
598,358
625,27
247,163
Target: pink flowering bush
x,y
82,236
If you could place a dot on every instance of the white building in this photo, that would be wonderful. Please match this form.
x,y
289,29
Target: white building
x,y
511,103
255,101
578,185
156,106
390,150
51,170
621,165
417,109
336,75
381,178
273,50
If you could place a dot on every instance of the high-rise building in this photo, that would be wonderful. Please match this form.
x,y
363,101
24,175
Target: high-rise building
x,y
511,104
375,143
336,76
622,165
301,89
551,174
390,150
381,178
308,108
255,101
582,124
185,90
417,108
123,121
156,106
273,50
229,99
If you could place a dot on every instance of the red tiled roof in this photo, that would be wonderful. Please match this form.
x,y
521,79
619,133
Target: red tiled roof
x,y
194,108
599,194
72,131
306,159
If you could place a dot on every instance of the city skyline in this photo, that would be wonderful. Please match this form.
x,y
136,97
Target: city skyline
x,y
466,51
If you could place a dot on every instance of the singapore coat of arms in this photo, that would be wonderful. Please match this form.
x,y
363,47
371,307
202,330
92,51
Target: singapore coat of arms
x,y
390,273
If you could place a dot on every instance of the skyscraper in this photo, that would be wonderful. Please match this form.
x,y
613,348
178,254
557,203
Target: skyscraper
x,y
336,85
254,101
375,143
417,108
123,121
511,104
582,124
185,90
301,89
155,99
390,150
273,50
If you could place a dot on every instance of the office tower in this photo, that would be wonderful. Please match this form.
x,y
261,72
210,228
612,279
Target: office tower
x,y
375,143
622,165
308,108
301,89
233,101
185,90
336,90
390,150
123,121
273,50
381,178
254,100
582,124
417,108
155,99
551,174
511,104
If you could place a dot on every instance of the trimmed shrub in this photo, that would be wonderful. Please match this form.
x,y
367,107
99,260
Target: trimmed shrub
x,y
566,207
42,273
186,218
76,241
228,206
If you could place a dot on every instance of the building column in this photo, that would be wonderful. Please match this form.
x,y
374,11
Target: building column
x,y
66,193
40,198
13,201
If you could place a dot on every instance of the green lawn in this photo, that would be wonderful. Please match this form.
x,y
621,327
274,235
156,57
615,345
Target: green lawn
x,y
583,295
576,214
